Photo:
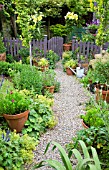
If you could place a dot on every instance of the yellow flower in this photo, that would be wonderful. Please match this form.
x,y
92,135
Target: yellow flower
x,y
39,18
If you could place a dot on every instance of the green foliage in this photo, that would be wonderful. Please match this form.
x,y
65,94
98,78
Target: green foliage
x,y
102,13
49,78
101,73
93,117
52,58
71,63
93,137
40,117
43,62
27,78
15,150
57,86
9,58
58,30
89,76
6,68
87,162
5,87
2,47
24,53
67,55
14,103
88,37
29,17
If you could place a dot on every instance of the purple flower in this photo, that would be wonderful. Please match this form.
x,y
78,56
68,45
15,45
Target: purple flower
x,y
12,100
11,92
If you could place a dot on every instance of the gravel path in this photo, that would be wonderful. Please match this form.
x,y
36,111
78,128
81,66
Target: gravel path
x,y
68,105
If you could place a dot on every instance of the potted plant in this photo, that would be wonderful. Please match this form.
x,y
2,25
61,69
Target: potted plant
x,y
2,50
43,63
49,80
101,76
93,26
14,108
52,57
83,61
70,20
92,118
71,63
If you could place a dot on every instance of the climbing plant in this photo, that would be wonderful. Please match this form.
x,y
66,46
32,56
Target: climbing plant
x,y
29,21
101,10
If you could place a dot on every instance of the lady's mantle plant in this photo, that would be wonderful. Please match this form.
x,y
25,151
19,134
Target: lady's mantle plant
x,y
15,151
14,103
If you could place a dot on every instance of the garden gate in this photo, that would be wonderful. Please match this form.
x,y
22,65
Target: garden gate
x,y
56,44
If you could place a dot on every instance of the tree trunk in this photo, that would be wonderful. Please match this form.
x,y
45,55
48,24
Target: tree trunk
x,y
13,21
30,51
48,28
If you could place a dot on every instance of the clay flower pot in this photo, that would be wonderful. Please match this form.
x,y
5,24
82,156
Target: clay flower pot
x,y
84,125
69,72
50,89
3,57
104,95
16,121
66,47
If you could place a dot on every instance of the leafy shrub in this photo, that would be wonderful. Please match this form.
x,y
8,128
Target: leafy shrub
x,y
52,57
58,30
2,47
28,78
93,137
24,53
9,58
5,66
15,151
40,117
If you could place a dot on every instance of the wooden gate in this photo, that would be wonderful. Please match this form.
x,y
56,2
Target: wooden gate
x,y
56,44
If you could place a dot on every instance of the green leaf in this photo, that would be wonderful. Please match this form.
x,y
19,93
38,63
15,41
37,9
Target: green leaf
x,y
55,164
46,149
65,159
92,167
96,159
84,149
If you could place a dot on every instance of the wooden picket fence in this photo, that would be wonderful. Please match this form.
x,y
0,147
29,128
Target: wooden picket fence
x,y
85,48
55,43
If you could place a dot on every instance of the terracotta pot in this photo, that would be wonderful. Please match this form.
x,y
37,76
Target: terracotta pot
x,y
16,121
3,57
104,96
66,47
50,89
84,125
35,63
84,65
69,72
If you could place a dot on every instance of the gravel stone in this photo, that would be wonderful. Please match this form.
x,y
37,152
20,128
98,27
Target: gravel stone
x,y
69,103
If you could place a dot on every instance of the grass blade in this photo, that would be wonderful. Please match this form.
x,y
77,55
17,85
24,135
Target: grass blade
x,y
55,164
96,159
84,149
64,157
